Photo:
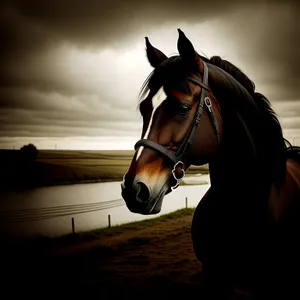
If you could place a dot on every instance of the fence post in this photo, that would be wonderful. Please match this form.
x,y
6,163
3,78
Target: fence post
x,y
186,202
109,223
73,226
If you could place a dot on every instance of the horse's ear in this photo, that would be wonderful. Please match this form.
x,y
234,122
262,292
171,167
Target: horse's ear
x,y
186,48
155,56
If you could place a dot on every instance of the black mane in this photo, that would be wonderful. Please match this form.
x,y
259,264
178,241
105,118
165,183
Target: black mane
x,y
263,124
272,143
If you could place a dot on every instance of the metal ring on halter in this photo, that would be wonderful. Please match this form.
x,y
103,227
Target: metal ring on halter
x,y
207,103
174,174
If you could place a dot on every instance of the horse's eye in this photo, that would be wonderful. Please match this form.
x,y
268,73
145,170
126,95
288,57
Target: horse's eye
x,y
174,108
183,109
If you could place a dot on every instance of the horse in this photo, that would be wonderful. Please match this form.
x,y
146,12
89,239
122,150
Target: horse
x,y
198,111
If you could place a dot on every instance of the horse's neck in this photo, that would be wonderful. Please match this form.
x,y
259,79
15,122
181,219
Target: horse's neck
x,y
231,175
239,190
235,171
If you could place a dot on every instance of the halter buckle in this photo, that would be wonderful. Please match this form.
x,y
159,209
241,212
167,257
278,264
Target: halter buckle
x,y
178,179
208,103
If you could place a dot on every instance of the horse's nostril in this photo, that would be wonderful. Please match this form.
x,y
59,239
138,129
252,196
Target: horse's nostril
x,y
143,193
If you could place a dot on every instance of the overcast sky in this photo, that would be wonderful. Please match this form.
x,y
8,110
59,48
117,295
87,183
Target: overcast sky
x,y
70,71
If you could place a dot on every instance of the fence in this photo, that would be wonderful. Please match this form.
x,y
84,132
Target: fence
x,y
36,214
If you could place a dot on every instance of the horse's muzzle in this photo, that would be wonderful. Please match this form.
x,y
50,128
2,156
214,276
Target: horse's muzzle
x,y
139,198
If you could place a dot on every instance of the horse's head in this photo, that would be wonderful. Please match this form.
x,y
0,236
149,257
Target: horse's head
x,y
176,99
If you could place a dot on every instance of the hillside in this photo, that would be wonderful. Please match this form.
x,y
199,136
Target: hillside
x,y
54,167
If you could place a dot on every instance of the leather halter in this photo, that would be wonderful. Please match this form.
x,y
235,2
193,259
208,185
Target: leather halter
x,y
178,156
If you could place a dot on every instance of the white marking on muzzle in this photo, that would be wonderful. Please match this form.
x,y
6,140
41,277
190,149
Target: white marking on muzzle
x,y
157,99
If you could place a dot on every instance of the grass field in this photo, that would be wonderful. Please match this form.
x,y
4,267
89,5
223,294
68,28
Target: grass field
x,y
150,255
54,167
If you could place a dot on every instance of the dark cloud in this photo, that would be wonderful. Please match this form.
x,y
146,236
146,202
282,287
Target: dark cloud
x,y
103,23
288,113
270,42
41,82
28,123
39,114
38,25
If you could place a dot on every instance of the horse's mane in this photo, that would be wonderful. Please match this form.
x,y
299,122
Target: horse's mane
x,y
272,144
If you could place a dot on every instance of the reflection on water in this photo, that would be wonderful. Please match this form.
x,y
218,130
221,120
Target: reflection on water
x,y
91,199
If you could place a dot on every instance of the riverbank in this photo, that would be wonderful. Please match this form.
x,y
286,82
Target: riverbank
x,y
154,255
64,167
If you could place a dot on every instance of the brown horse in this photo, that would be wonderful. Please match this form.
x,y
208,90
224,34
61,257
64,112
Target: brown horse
x,y
197,110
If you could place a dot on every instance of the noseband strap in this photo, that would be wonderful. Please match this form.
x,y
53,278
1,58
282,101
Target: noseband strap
x,y
178,156
155,146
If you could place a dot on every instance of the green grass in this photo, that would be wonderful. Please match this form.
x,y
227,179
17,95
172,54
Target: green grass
x,y
54,167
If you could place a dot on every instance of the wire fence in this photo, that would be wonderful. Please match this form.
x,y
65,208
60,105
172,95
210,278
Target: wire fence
x,y
43,213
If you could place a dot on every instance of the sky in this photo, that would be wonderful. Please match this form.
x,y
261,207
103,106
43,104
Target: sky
x,y
70,71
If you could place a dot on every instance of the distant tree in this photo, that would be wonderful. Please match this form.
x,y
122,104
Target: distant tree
x,y
29,152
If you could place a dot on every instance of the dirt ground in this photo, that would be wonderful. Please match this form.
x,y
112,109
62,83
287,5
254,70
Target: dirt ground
x,y
157,260
139,262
